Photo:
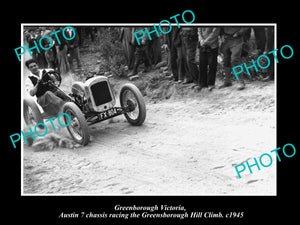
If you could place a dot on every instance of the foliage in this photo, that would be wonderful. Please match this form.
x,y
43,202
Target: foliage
x,y
111,51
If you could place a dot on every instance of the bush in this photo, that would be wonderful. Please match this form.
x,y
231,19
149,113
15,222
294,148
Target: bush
x,y
111,51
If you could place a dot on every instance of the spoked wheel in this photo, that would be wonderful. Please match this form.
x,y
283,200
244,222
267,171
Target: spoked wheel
x,y
77,128
32,114
132,99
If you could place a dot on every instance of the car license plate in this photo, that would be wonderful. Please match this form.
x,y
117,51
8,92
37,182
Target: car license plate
x,y
108,113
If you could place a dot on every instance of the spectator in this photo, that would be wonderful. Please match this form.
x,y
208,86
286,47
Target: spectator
x,y
40,57
50,54
270,47
172,52
209,45
141,54
127,45
73,48
61,50
231,47
154,49
31,38
189,42
181,55
260,40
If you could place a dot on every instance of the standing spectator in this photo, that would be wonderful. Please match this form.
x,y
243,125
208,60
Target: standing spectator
x,y
209,45
31,38
181,55
61,51
190,42
231,47
141,54
154,48
172,52
73,48
127,45
270,47
50,54
260,39
26,36
40,58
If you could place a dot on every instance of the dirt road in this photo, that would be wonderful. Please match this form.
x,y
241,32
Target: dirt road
x,y
188,145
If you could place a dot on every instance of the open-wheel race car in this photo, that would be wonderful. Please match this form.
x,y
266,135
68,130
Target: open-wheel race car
x,y
88,103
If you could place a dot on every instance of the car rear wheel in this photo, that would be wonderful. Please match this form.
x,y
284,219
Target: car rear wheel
x,y
31,112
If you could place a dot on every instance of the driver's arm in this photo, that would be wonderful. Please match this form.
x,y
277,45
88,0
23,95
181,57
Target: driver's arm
x,y
33,91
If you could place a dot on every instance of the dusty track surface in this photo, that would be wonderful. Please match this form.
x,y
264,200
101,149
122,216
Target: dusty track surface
x,y
188,145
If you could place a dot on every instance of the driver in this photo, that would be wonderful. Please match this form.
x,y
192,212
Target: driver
x,y
48,97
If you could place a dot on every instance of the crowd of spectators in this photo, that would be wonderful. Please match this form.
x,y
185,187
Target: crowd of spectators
x,y
230,42
61,55
181,45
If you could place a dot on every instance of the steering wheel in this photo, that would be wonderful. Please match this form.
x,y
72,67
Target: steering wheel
x,y
52,76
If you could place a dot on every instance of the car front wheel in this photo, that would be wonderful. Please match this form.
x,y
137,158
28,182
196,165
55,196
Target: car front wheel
x,y
132,99
78,127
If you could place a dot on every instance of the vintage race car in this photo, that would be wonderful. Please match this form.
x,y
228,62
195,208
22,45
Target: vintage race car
x,y
88,103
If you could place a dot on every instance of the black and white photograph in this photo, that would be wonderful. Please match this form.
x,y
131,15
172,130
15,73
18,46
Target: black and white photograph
x,y
150,112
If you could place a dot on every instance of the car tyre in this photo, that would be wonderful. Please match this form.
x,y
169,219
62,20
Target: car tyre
x,y
78,127
31,112
130,96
